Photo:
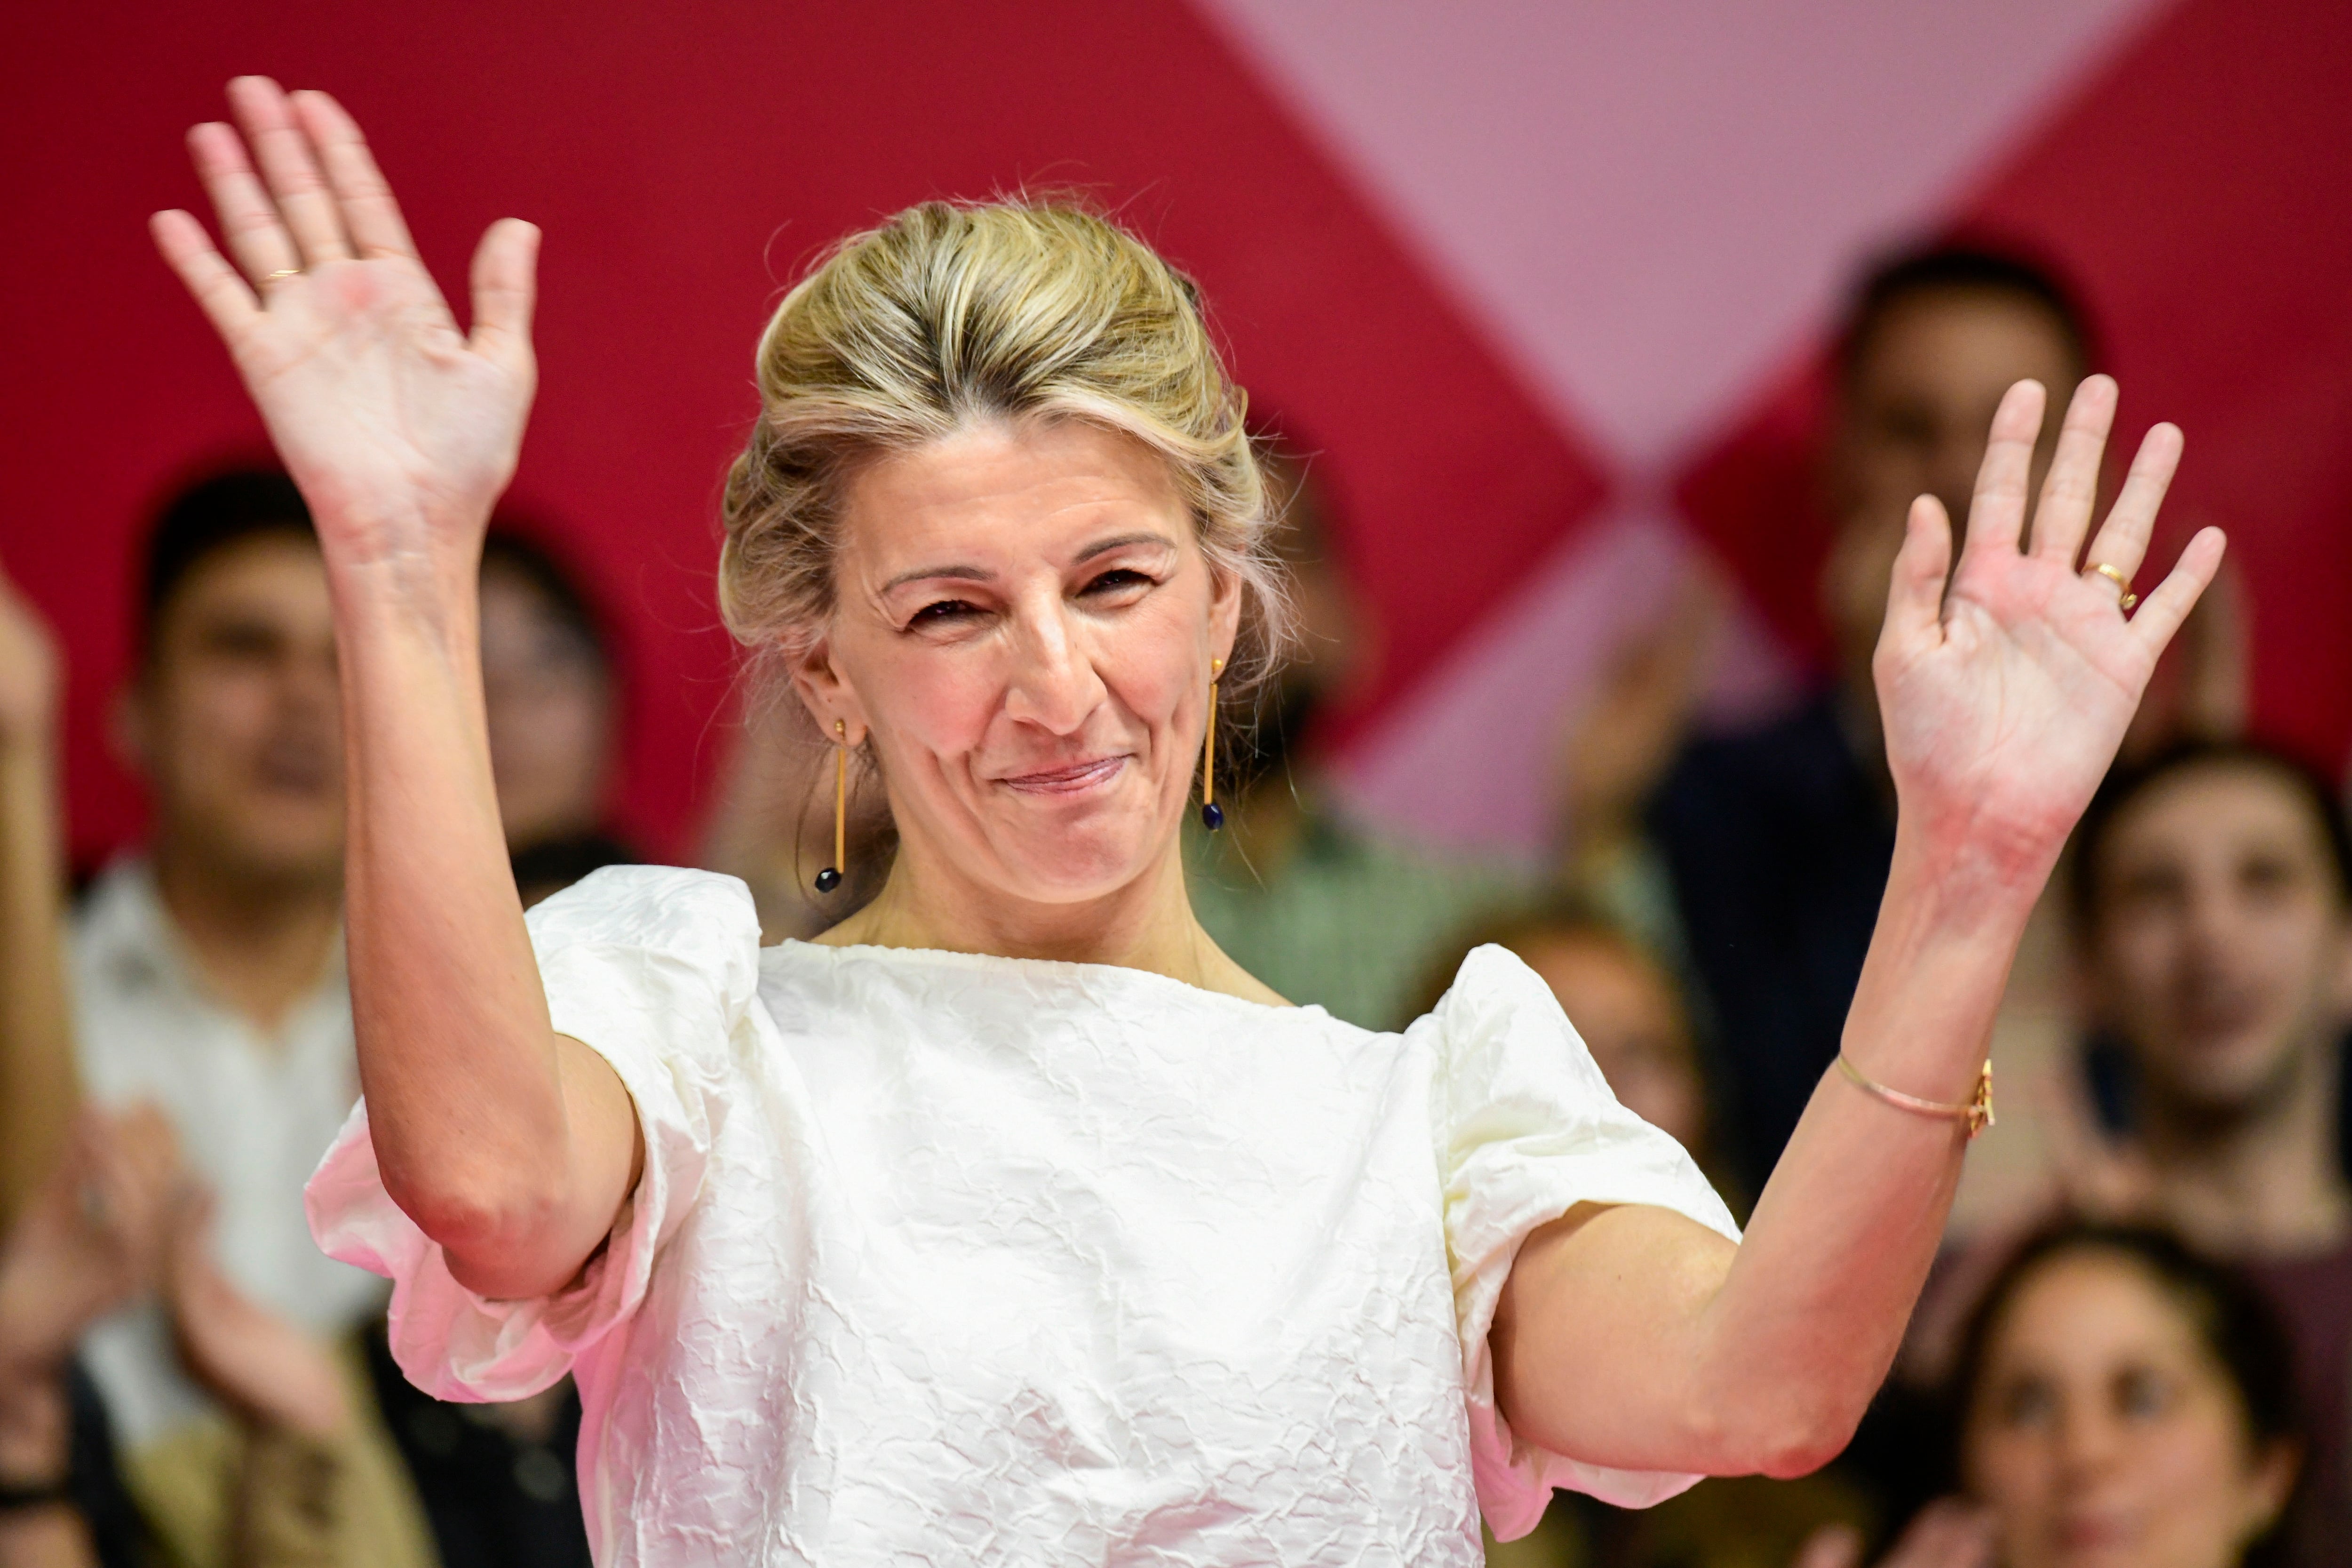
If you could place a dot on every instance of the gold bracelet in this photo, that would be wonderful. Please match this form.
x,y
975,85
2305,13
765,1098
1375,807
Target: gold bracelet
x,y
1977,1113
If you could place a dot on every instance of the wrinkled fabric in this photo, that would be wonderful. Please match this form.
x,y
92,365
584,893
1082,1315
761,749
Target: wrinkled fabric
x,y
941,1257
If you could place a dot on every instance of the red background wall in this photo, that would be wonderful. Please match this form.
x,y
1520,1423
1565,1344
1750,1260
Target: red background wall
x,y
684,161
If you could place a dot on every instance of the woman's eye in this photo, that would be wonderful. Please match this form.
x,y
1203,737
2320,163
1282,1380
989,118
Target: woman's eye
x,y
2030,1402
945,610
2143,1393
1117,580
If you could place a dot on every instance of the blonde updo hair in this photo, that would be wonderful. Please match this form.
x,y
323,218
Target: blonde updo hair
x,y
951,312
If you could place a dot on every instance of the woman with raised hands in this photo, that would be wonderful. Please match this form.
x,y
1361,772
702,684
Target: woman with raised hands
x,y
1010,1220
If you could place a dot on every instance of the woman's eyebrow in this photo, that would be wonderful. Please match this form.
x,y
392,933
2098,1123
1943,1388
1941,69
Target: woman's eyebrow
x,y
976,574
1118,542
922,574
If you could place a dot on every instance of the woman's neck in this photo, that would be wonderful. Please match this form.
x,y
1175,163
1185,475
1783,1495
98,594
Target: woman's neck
x,y
1148,924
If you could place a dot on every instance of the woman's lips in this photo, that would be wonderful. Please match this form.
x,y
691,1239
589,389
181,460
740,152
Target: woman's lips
x,y
1069,779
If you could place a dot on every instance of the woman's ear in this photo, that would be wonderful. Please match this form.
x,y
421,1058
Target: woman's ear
x,y
2275,1471
826,693
1224,612
2343,977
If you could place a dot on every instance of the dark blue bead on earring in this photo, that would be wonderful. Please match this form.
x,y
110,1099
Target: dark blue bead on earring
x,y
827,879
1212,816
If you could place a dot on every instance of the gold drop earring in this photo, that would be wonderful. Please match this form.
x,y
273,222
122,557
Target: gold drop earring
x,y
830,877
1212,816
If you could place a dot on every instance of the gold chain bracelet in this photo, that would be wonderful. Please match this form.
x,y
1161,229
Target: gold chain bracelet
x,y
1977,1113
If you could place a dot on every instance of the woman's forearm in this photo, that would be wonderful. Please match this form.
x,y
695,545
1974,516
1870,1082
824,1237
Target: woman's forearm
x,y
1814,1305
1632,1336
38,1083
510,1148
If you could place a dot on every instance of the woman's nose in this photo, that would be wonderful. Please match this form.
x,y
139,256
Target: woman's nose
x,y
1054,684
2088,1441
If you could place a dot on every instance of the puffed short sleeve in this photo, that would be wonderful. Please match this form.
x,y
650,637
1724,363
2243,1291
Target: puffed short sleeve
x,y
1528,1129
655,969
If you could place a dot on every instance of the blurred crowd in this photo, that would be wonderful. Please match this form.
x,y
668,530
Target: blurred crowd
x,y
2135,1350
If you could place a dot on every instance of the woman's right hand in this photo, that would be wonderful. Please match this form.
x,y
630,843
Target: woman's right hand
x,y
400,430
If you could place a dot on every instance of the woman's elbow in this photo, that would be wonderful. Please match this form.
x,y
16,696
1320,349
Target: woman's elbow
x,y
1797,1435
475,1213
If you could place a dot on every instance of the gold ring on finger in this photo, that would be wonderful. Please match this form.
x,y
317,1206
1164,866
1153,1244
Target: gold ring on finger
x,y
281,272
2121,583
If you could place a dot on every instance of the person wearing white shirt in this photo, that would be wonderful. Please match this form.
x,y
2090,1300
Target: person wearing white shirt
x,y
208,967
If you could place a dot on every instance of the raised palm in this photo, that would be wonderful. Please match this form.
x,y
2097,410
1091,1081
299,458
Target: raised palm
x,y
2006,689
401,428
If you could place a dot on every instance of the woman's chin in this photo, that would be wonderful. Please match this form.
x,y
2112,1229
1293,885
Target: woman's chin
x,y
1072,861
1072,873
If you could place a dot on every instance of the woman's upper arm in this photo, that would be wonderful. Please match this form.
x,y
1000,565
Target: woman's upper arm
x,y
608,1146
604,1155
1597,1337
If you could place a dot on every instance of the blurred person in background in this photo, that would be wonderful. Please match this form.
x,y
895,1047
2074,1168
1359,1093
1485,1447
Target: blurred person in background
x,y
2211,897
2214,903
118,1215
1777,840
207,969
1754,860
2119,1402
207,976
1310,901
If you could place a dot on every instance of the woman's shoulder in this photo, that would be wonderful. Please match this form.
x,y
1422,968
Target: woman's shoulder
x,y
1493,991
650,906
649,937
1498,1030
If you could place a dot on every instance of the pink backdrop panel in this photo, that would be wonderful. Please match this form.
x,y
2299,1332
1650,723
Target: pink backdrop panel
x,y
685,163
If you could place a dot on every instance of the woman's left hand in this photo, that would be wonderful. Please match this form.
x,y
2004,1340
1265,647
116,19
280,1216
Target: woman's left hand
x,y
2005,691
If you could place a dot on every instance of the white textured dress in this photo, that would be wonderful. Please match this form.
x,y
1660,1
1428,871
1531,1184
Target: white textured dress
x,y
942,1258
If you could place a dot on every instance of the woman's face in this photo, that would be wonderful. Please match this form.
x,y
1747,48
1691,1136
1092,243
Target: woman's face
x,y
2104,1434
1024,625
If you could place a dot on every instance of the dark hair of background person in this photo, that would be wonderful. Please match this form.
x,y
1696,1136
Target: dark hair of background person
x,y
547,868
2232,1318
205,518
1959,267
2126,784
510,547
